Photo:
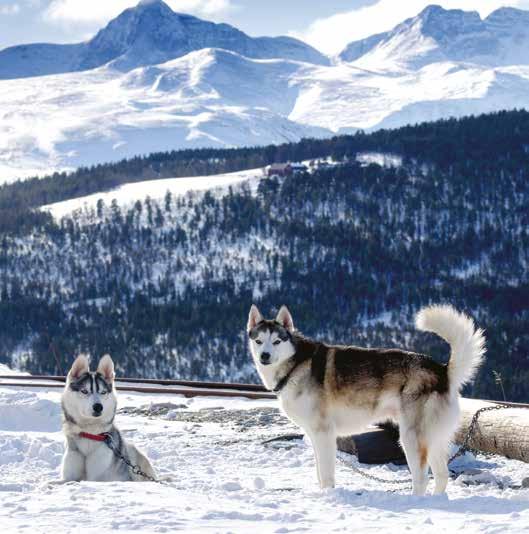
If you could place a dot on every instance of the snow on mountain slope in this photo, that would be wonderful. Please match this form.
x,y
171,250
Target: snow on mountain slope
x,y
170,81
219,98
148,34
346,97
206,98
437,34
224,479
156,190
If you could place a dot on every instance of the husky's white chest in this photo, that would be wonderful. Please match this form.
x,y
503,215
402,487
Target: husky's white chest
x,y
302,408
100,463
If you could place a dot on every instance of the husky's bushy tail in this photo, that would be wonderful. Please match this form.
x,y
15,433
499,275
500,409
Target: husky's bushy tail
x,y
467,344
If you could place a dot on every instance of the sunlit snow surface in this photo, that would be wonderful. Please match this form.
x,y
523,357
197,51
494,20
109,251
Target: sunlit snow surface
x,y
226,480
127,194
213,97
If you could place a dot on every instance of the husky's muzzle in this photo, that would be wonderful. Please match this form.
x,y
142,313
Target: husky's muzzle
x,y
98,409
265,358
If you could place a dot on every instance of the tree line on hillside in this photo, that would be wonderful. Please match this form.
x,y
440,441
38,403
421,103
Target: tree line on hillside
x,y
354,250
448,144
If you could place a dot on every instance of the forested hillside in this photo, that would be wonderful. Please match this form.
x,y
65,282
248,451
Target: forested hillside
x,y
353,250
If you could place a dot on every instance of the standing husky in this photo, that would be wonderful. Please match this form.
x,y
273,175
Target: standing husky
x,y
333,391
89,406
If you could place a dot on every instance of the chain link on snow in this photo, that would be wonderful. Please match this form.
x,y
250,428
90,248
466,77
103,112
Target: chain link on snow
x,y
365,474
465,447
134,468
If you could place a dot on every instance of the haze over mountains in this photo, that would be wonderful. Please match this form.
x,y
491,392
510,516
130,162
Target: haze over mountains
x,y
157,80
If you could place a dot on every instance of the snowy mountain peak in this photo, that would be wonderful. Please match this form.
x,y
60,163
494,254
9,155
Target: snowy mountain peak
x,y
444,25
150,2
147,34
437,34
448,19
506,18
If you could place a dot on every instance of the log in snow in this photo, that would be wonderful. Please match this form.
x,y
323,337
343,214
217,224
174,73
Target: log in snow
x,y
504,431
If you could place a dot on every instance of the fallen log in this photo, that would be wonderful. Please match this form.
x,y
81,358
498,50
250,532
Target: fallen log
x,y
377,446
504,431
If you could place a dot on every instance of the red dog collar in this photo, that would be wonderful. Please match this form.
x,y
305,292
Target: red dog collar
x,y
94,437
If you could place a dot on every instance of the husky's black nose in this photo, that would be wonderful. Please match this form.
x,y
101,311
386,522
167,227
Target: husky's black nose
x,y
98,408
265,358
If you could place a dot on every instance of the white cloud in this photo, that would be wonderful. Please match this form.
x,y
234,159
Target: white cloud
x,y
332,34
101,11
10,9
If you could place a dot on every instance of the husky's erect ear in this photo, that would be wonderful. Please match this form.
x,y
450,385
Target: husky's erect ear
x,y
284,318
254,318
79,367
106,368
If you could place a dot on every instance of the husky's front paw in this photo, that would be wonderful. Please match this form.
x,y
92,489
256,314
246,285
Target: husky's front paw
x,y
327,484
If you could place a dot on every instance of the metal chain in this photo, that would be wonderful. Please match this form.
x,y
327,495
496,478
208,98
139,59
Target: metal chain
x,y
365,474
466,442
134,468
462,449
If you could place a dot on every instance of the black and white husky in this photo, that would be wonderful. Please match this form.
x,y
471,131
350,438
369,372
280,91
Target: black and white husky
x,y
89,406
332,391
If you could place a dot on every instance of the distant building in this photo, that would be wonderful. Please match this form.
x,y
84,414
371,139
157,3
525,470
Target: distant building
x,y
286,169
279,169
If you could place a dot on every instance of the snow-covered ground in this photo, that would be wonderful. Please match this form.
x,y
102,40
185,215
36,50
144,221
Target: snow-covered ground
x,y
127,194
224,479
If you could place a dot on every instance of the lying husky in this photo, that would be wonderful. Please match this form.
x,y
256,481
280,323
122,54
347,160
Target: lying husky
x,y
333,391
89,406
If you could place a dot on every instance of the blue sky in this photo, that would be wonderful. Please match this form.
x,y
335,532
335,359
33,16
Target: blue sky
x,y
328,25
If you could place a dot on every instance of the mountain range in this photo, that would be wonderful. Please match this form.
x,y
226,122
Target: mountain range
x,y
149,34
153,80
438,35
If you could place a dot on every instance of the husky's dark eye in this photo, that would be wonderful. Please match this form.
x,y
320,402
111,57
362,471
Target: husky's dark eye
x,y
276,342
103,392
258,341
84,391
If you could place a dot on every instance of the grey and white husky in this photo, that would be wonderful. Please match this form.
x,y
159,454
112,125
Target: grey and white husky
x,y
331,390
89,406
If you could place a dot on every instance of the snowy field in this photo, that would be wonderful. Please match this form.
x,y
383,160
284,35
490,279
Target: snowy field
x,y
224,479
127,194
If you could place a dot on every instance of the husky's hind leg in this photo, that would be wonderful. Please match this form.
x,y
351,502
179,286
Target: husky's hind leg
x,y
438,460
416,452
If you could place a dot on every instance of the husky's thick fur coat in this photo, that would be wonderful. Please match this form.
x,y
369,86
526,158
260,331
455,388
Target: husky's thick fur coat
x,y
89,406
332,391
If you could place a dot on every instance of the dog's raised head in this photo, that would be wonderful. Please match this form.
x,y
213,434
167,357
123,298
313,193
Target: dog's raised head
x,y
90,397
271,342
